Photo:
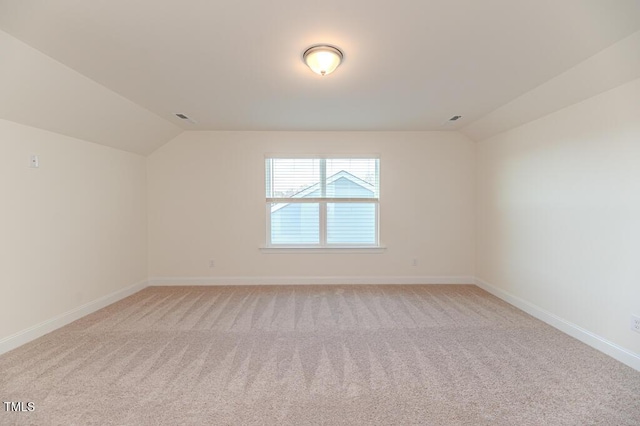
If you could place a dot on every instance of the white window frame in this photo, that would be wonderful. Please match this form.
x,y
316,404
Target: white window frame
x,y
322,202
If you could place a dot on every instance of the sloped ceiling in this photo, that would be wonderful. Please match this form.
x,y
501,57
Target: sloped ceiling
x,y
605,70
41,92
116,72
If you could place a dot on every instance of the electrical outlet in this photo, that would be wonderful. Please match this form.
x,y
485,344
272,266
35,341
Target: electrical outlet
x,y
635,323
414,262
212,264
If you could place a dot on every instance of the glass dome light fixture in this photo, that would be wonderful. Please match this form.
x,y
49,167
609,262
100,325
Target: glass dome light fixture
x,y
323,59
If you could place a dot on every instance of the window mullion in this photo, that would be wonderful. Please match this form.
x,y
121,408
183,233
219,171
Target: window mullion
x,y
323,204
323,223
323,178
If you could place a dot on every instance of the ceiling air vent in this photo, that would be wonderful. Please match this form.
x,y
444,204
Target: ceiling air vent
x,y
186,118
455,118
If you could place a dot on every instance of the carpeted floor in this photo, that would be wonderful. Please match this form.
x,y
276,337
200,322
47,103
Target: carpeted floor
x,y
433,355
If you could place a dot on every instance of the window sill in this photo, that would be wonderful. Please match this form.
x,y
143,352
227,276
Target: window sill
x,y
323,250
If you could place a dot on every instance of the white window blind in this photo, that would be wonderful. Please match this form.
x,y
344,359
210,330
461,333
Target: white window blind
x,y
322,202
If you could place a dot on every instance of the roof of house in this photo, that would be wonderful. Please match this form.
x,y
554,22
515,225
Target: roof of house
x,y
342,174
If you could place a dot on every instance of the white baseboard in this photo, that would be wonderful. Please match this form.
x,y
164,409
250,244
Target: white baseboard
x,y
585,336
204,281
38,330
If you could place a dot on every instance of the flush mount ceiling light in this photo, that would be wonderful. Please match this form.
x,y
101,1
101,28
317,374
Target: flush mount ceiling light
x,y
322,59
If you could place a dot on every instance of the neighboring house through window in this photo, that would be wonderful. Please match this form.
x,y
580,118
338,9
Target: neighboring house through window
x,y
322,202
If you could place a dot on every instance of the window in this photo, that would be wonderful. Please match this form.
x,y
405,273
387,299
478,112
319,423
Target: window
x,y
322,202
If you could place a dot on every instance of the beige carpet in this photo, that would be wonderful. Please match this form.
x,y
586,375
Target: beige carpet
x,y
434,355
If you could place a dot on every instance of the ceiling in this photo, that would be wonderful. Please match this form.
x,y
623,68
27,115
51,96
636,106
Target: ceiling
x,y
237,65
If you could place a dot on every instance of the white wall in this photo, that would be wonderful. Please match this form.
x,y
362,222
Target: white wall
x,y
72,231
207,201
559,213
